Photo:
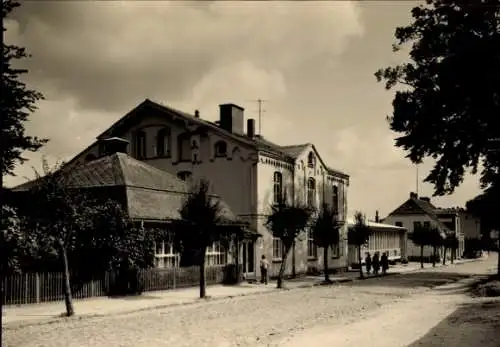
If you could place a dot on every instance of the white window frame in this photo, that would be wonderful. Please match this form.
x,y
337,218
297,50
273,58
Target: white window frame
x,y
215,255
312,249
166,257
277,248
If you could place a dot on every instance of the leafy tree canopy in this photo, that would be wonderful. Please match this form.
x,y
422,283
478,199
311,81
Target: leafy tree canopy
x,y
360,232
447,106
17,103
326,227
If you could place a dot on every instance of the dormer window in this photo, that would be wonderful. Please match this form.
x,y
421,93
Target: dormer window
x,y
220,149
163,142
311,160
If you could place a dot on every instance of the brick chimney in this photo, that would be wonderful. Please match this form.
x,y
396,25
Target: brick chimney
x,y
377,218
231,118
413,195
251,128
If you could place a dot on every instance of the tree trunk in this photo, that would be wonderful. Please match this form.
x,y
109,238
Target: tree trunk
x,y
68,300
444,255
359,261
325,263
453,254
434,251
294,273
203,290
498,260
237,262
281,273
421,257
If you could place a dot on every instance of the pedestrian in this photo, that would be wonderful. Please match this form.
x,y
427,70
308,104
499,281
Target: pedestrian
x,y
384,261
264,265
368,263
376,263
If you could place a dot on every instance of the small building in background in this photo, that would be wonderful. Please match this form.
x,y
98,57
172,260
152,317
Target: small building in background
x,y
384,238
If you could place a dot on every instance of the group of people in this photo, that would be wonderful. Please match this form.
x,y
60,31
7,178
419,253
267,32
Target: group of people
x,y
376,263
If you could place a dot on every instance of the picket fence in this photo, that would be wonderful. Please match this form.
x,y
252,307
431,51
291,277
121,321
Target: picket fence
x,y
32,288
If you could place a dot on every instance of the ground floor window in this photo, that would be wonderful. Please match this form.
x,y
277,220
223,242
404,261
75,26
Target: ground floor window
x,y
312,249
215,255
277,248
165,257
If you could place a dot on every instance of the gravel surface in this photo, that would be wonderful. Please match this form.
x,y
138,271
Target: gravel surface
x,y
258,320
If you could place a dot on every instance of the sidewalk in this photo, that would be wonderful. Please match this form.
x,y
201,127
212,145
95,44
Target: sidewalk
x,y
103,306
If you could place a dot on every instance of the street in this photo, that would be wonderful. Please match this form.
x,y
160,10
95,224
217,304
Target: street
x,y
337,313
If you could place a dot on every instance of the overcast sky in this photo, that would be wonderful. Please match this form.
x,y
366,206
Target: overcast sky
x,y
313,61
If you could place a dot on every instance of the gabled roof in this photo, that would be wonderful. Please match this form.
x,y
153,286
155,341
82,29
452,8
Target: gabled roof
x,y
415,206
259,143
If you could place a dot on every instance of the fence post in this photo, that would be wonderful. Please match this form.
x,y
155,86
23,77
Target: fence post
x,y
26,296
37,288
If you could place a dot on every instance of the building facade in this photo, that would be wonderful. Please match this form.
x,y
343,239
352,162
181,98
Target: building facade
x,y
419,211
246,170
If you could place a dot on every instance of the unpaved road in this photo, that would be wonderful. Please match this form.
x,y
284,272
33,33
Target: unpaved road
x,y
261,320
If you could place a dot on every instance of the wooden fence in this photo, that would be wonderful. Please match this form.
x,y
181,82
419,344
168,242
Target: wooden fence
x,y
31,288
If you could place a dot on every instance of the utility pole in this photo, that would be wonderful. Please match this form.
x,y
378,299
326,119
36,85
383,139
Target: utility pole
x,y
416,179
261,110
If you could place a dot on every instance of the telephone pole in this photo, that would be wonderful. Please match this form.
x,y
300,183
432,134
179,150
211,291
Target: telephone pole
x,y
416,179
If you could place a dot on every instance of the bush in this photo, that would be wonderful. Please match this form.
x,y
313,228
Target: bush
x,y
231,275
126,282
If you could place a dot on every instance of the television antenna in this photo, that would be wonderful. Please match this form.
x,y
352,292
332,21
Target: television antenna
x,y
261,110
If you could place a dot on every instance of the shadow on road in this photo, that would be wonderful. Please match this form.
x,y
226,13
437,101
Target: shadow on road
x,y
413,279
472,324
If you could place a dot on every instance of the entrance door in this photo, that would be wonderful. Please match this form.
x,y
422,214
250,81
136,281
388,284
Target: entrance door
x,y
248,258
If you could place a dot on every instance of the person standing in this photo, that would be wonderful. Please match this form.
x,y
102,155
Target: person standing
x,y
376,263
264,265
368,263
384,260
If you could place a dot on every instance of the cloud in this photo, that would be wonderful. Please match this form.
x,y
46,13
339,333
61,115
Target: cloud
x,y
312,61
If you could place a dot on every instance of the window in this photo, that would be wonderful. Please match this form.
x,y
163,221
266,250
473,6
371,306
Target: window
x,y
427,225
311,160
184,175
278,187
277,248
163,142
184,147
312,249
336,251
215,255
164,255
416,225
220,149
140,144
311,192
398,224
335,199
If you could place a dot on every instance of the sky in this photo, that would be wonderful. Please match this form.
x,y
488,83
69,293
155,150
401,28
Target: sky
x,y
312,61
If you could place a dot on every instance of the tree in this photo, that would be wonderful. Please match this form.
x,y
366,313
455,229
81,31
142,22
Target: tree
x,y
203,224
421,237
447,104
326,233
452,243
358,235
286,222
18,102
435,241
57,215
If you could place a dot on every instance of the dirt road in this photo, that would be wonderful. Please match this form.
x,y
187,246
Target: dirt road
x,y
264,320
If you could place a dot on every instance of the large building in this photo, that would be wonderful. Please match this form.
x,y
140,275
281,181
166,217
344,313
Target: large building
x,y
419,211
247,171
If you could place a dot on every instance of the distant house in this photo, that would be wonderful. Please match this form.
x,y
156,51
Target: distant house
x,y
150,196
383,238
246,170
419,211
